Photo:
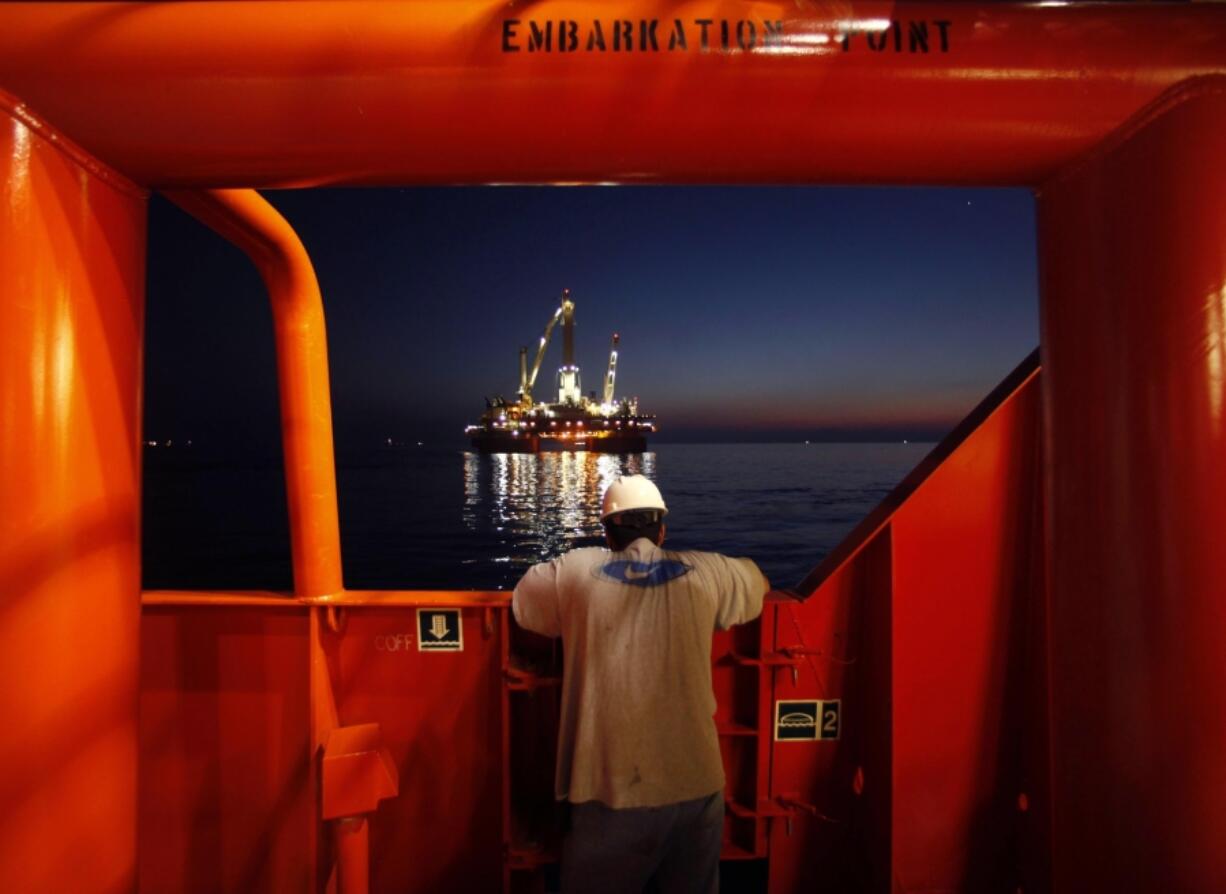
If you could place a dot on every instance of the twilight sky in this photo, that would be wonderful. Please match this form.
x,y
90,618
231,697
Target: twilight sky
x,y
744,313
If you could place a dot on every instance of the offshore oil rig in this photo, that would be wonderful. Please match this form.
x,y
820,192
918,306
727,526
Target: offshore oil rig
x,y
574,421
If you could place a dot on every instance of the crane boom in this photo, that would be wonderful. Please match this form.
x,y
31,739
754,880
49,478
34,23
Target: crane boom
x,y
612,373
527,379
540,352
523,374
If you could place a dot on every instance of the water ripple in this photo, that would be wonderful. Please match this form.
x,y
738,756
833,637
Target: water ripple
x,y
425,519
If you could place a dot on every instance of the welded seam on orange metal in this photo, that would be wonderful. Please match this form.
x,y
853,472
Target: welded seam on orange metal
x,y
82,159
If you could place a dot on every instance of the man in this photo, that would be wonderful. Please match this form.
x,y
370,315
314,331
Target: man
x,y
638,753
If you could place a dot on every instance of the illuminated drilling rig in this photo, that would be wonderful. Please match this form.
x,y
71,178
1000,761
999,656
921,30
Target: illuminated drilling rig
x,y
573,421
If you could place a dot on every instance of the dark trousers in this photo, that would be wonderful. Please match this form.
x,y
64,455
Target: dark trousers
x,y
621,851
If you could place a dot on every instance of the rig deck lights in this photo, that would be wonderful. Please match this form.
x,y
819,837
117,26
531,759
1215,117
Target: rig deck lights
x,y
576,411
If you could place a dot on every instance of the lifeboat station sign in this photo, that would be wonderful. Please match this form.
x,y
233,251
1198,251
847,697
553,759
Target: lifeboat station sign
x,y
439,630
809,720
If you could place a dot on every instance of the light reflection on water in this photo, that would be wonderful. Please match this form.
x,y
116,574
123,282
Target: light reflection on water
x,y
539,505
446,519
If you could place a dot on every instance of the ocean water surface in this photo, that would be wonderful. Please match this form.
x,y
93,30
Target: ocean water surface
x,y
435,518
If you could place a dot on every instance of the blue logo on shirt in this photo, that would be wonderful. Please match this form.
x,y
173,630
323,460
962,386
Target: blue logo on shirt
x,y
644,574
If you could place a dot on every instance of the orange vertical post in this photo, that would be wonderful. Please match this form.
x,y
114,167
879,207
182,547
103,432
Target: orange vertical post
x,y
358,773
246,219
1134,349
353,854
72,252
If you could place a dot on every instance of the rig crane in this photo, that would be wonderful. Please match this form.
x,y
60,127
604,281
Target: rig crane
x,y
524,396
611,374
568,375
574,421
569,389
528,379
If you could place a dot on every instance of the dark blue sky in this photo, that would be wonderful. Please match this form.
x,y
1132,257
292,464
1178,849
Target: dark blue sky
x,y
744,313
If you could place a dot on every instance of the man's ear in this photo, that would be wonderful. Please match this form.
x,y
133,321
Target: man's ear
x,y
663,531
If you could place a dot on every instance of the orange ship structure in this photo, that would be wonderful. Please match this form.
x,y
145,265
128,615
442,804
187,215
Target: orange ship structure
x,y
1014,667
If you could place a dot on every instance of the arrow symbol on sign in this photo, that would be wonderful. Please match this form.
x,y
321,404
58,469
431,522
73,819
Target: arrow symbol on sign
x,y
438,626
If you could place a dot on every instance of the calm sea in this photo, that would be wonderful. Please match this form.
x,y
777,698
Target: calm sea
x,y
428,518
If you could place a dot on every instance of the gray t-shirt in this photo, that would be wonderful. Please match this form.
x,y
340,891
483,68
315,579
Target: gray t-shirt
x,y
637,726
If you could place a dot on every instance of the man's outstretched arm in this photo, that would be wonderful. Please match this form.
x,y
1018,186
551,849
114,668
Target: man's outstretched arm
x,y
740,596
535,600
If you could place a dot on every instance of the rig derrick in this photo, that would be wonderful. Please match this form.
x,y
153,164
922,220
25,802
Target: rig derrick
x,y
572,421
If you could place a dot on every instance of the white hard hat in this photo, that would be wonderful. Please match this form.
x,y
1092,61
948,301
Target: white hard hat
x,y
629,493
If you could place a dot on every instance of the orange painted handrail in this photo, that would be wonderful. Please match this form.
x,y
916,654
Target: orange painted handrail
x,y
346,598
244,218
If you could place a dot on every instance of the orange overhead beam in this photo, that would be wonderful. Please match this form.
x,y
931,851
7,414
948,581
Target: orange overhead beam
x,y
439,91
